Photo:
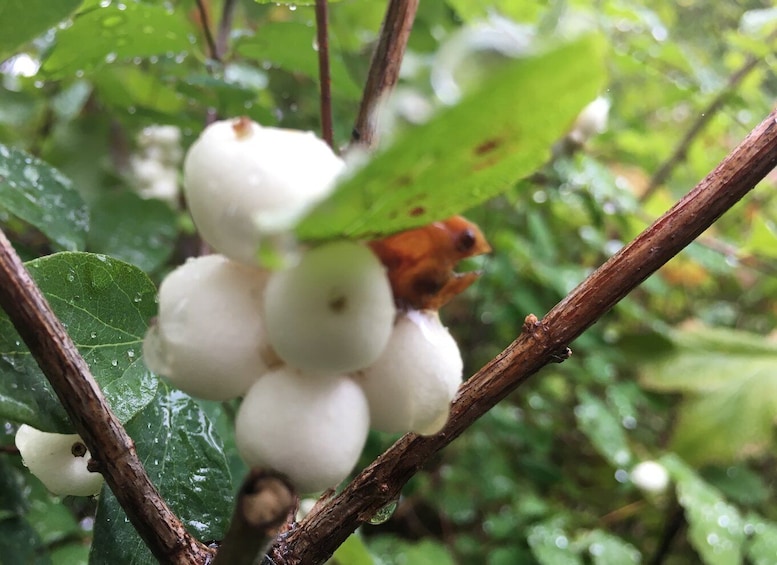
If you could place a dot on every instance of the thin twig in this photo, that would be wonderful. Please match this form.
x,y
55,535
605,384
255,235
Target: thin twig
x,y
324,77
384,68
263,503
225,29
540,343
705,116
213,51
103,434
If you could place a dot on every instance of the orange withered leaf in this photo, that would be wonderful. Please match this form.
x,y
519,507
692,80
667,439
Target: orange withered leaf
x,y
421,261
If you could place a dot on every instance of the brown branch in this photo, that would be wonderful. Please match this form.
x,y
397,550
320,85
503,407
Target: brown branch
x,y
225,28
540,343
324,77
263,503
213,51
93,419
705,116
384,68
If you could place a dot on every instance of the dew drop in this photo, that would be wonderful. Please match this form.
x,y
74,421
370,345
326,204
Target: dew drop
x,y
384,513
114,363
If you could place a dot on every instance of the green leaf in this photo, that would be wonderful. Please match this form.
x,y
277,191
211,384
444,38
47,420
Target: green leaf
x,y
605,431
290,46
117,32
606,548
185,460
763,545
19,543
43,197
105,305
25,19
551,545
716,529
138,231
730,381
468,153
353,552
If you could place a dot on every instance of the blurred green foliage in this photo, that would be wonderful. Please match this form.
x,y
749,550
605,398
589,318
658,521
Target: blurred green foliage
x,y
681,372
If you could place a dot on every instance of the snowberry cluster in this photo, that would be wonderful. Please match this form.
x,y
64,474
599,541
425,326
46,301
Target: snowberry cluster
x,y
317,349
155,166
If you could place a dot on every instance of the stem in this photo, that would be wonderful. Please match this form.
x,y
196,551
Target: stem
x,y
324,78
540,343
225,28
103,434
384,68
705,116
213,51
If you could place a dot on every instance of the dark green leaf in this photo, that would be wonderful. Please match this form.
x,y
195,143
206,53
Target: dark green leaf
x,y
716,529
25,19
43,197
117,32
105,305
185,460
138,231
469,153
19,542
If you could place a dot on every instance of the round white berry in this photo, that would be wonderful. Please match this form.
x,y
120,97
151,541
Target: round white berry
x,y
411,385
332,312
59,461
591,121
650,476
243,180
310,429
209,339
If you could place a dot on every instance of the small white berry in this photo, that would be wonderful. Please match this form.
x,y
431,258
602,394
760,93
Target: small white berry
x,y
331,313
59,461
209,339
310,429
243,180
412,383
650,476
591,121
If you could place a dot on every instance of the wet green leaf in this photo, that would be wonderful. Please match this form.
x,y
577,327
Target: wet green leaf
x,y
730,381
30,18
19,543
353,552
138,231
716,529
762,548
606,549
105,306
43,197
291,46
597,421
468,153
118,31
185,460
551,545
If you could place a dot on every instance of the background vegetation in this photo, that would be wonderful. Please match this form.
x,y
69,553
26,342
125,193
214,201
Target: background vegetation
x,y
684,371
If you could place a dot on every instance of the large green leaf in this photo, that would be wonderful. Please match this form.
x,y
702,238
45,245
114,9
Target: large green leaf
x,y
115,32
24,19
290,46
105,305
730,383
716,529
469,153
185,460
43,197
141,232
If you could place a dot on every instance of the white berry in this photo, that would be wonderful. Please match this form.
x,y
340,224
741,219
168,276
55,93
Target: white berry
x,y
333,312
411,385
243,180
650,476
310,429
59,461
209,339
